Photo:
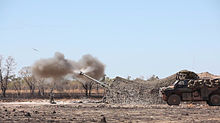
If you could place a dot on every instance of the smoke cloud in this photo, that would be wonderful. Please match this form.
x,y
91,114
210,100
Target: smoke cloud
x,y
58,67
92,66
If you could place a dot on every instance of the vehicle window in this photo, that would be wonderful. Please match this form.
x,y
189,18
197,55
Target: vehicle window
x,y
185,82
181,83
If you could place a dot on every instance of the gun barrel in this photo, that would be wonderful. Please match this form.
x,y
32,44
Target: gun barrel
x,y
100,83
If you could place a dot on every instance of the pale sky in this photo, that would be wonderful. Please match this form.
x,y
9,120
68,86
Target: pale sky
x,y
131,37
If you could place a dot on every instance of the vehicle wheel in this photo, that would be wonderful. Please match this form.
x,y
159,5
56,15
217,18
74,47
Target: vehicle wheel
x,y
209,103
173,100
215,100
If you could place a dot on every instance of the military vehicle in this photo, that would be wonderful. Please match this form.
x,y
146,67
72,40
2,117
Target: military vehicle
x,y
188,87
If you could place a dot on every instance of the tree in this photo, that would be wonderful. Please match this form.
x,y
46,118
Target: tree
x,y
152,78
129,78
6,73
17,85
28,78
41,86
87,86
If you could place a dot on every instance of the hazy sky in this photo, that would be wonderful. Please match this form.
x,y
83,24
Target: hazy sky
x,y
131,37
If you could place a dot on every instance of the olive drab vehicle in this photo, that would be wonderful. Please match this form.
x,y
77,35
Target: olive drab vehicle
x,y
188,87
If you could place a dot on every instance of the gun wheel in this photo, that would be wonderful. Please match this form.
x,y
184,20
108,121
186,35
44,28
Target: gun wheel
x,y
173,100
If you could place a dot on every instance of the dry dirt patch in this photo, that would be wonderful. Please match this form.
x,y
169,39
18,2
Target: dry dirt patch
x,y
81,111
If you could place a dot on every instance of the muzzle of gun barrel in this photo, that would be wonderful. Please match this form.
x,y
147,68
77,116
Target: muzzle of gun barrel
x,y
81,73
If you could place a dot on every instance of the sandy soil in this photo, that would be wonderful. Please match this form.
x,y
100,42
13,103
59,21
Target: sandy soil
x,y
90,111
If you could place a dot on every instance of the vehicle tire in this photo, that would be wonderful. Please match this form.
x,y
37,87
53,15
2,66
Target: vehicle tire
x,y
215,100
173,100
209,103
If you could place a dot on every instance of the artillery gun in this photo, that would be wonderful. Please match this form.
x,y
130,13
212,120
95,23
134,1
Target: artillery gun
x,y
98,82
122,90
94,80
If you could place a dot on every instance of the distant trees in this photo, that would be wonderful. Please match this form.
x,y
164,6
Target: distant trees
x,y
25,82
153,77
6,73
129,78
40,83
17,85
27,77
87,86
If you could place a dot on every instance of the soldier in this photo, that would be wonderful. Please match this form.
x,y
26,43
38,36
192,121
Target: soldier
x,y
52,97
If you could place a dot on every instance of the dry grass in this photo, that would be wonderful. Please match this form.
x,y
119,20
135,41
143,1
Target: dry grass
x,y
55,91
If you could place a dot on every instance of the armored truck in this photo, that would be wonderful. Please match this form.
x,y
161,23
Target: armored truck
x,y
192,89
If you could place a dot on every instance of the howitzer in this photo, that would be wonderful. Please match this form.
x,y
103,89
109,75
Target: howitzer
x,y
94,80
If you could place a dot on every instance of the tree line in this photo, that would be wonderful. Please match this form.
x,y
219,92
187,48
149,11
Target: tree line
x,y
24,80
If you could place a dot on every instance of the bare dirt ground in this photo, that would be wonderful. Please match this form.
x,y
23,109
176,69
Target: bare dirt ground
x,y
78,111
